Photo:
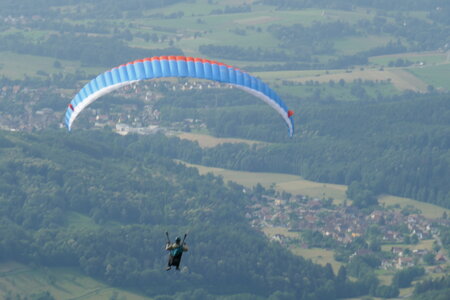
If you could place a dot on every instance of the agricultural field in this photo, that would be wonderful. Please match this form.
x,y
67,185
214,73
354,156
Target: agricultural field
x,y
62,283
357,44
419,58
18,66
438,76
252,25
424,244
296,185
207,141
399,78
318,256
283,182
334,90
188,26
428,210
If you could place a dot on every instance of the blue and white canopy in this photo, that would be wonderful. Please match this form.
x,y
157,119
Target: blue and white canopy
x,y
174,66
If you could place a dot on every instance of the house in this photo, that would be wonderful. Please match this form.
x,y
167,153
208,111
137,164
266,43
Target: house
x,y
387,264
440,258
420,252
397,250
405,262
376,216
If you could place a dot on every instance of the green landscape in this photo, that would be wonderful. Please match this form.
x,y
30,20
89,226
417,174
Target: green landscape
x,y
357,201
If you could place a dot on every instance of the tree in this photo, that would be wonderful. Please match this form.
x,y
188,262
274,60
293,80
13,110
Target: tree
x,y
404,277
362,197
429,259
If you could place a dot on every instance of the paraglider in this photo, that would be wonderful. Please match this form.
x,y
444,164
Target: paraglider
x,y
175,251
175,66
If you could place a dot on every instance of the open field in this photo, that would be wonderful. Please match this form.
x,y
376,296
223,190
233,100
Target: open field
x,y
424,244
404,80
401,79
298,186
318,256
16,66
207,141
427,58
437,76
428,210
289,75
351,45
62,283
284,182
338,92
220,28
271,231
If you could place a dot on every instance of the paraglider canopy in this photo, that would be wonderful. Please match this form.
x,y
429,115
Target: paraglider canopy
x,y
175,66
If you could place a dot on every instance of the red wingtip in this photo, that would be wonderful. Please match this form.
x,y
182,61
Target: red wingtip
x,y
71,107
290,113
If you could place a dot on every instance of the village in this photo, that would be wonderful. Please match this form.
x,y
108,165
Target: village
x,y
28,109
401,232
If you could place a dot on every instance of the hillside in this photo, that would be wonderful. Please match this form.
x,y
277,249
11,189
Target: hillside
x,y
130,195
368,81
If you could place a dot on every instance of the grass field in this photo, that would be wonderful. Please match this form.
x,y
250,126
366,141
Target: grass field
x,y
271,231
428,210
284,182
351,45
340,93
428,58
219,29
424,244
318,256
299,186
62,283
437,76
16,66
401,79
207,141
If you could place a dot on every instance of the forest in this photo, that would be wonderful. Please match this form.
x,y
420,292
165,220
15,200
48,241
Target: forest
x,y
128,194
401,150
133,195
98,51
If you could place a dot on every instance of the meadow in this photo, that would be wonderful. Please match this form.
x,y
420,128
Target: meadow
x,y
296,185
62,283
208,141
318,256
428,210
399,78
200,23
424,58
282,182
437,76
18,66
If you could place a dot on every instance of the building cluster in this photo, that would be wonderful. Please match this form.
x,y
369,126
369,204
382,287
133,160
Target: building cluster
x,y
342,223
27,109
22,109
345,223
403,257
